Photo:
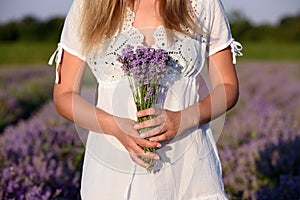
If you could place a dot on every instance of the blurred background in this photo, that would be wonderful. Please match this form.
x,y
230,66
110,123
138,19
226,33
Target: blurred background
x,y
41,154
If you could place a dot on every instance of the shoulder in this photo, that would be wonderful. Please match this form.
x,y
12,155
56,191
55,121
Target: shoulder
x,y
206,12
208,5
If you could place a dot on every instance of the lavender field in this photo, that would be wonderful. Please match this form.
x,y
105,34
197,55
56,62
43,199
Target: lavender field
x,y
22,92
41,153
260,144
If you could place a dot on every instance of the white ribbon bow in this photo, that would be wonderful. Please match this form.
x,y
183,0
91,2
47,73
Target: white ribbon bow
x,y
57,55
236,49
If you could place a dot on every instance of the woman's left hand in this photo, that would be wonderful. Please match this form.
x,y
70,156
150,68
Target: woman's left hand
x,y
165,124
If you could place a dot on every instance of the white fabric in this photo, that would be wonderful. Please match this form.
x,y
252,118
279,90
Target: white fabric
x,y
190,167
57,56
236,50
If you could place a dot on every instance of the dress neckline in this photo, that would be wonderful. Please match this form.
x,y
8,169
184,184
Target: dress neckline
x,y
157,31
132,15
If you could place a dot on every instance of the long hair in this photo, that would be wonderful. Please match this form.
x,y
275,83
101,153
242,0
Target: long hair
x,y
103,18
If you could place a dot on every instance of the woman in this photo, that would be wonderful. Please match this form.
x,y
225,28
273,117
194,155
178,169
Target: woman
x,y
196,34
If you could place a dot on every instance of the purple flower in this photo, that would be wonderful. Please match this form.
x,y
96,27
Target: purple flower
x,y
150,91
40,158
144,64
145,67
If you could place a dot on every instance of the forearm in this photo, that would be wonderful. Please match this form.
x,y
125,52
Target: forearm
x,y
75,108
220,100
224,94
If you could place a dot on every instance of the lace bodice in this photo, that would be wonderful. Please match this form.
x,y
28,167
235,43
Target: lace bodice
x,y
188,52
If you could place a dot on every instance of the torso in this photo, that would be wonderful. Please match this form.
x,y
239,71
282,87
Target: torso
x,y
192,155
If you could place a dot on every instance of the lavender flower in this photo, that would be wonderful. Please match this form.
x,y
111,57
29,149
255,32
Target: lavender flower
x,y
144,64
40,158
260,140
145,68
23,90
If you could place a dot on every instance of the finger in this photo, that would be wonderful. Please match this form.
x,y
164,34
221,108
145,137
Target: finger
x,y
141,156
159,138
149,111
151,122
146,143
139,161
153,132
132,133
149,155
126,126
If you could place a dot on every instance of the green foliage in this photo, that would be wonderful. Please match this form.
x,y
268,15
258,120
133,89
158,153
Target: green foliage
x,y
290,26
288,30
240,25
277,51
31,41
25,53
30,29
9,32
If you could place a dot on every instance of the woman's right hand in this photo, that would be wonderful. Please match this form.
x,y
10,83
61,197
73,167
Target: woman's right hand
x,y
131,140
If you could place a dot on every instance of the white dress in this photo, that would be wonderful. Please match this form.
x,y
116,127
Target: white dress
x,y
190,167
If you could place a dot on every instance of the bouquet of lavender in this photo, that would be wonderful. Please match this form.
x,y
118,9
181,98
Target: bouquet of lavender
x,y
145,68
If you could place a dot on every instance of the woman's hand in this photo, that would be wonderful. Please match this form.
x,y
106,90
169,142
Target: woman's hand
x,y
166,124
131,140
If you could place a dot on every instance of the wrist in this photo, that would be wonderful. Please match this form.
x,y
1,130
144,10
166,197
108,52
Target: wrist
x,y
190,117
106,122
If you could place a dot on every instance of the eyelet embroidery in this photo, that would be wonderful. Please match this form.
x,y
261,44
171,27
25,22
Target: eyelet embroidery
x,y
185,51
106,69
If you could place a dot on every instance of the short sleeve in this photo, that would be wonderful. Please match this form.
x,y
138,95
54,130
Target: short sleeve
x,y
70,39
211,16
219,30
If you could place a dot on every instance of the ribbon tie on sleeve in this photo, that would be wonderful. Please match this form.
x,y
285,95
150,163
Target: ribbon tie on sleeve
x,y
236,49
57,55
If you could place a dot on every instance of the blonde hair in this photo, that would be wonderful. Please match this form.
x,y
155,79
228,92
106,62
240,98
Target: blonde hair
x,y
101,19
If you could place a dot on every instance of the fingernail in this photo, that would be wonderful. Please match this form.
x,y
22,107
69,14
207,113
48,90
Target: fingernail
x,y
158,145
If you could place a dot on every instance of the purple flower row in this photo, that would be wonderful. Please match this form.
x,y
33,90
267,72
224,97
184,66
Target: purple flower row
x,y
22,92
260,145
40,158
